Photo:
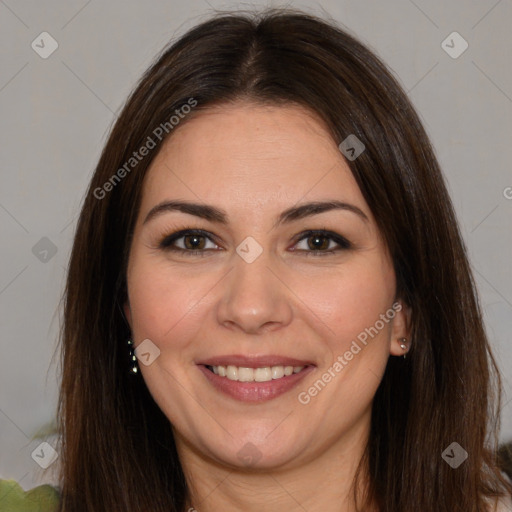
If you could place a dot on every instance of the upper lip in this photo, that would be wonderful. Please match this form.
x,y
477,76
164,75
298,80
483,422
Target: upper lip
x,y
254,361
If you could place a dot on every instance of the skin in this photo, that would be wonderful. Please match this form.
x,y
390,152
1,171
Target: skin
x,y
255,161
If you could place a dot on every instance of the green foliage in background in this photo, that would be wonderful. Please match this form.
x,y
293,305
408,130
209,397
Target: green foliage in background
x,y
13,498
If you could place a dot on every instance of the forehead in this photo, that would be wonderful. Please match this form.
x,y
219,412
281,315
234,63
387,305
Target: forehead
x,y
248,155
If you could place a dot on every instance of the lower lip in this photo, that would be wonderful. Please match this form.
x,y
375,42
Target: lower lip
x,y
255,391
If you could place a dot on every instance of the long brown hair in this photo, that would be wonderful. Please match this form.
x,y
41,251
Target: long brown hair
x,y
118,452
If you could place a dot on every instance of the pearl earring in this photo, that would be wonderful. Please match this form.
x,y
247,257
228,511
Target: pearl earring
x,y
134,369
403,345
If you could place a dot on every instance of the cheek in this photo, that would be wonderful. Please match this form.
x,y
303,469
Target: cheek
x,y
350,300
356,346
166,302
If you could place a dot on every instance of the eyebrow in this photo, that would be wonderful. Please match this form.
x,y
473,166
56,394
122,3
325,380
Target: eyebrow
x,y
217,215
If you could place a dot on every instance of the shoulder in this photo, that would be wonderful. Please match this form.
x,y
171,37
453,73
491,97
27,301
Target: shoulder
x,y
501,505
43,498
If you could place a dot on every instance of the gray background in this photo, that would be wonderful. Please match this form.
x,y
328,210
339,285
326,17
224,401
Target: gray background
x,y
56,112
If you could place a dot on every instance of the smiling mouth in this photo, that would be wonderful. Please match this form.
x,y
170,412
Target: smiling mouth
x,y
261,374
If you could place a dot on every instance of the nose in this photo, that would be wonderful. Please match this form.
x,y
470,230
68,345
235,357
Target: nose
x,y
254,299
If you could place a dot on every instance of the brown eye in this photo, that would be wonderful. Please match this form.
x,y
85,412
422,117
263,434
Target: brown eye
x,y
188,241
194,241
319,242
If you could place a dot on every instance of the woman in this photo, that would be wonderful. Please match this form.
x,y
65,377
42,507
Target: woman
x,y
269,229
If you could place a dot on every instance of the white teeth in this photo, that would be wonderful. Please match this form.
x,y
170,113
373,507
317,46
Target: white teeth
x,y
277,372
232,373
245,374
264,374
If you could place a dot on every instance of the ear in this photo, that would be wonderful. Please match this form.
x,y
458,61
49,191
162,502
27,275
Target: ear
x,y
401,328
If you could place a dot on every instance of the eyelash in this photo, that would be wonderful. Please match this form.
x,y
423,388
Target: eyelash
x,y
167,241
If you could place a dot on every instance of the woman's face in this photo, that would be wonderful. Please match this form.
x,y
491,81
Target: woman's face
x,y
253,290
